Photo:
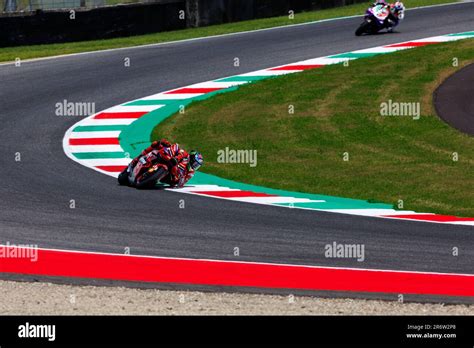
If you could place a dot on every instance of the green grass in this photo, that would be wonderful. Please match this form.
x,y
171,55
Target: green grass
x,y
337,110
37,51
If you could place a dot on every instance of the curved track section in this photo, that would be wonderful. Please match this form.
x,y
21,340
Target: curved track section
x,y
37,190
106,141
453,100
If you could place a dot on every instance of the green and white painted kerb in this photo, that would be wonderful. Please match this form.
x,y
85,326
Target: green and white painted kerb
x,y
107,140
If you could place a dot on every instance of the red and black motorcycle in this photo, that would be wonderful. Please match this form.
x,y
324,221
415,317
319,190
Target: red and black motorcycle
x,y
146,173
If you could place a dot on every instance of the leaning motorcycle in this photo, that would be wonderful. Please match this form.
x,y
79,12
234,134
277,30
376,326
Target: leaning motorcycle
x,y
374,20
148,171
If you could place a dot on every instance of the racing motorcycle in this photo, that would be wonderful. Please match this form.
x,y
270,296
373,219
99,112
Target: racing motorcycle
x,y
376,19
148,171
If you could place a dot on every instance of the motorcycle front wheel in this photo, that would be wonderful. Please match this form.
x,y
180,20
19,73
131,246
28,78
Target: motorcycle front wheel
x,y
123,178
149,180
363,28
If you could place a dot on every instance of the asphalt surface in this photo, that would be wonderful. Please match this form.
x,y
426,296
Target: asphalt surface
x,y
453,100
36,191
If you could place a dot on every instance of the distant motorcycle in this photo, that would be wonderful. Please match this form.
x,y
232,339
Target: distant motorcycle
x,y
380,17
148,171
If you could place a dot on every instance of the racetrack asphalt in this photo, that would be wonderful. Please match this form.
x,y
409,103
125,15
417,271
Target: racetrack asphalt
x,y
36,191
453,100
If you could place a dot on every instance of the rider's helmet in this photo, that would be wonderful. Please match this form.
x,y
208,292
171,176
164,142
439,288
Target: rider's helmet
x,y
398,9
195,160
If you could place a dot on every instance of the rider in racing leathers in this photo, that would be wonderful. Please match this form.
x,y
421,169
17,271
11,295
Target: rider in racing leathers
x,y
184,170
182,165
397,13
156,145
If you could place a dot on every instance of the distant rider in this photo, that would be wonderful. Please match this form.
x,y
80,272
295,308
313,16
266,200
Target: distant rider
x,y
397,13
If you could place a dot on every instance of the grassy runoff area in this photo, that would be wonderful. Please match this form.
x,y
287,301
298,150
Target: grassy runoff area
x,y
37,51
337,110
